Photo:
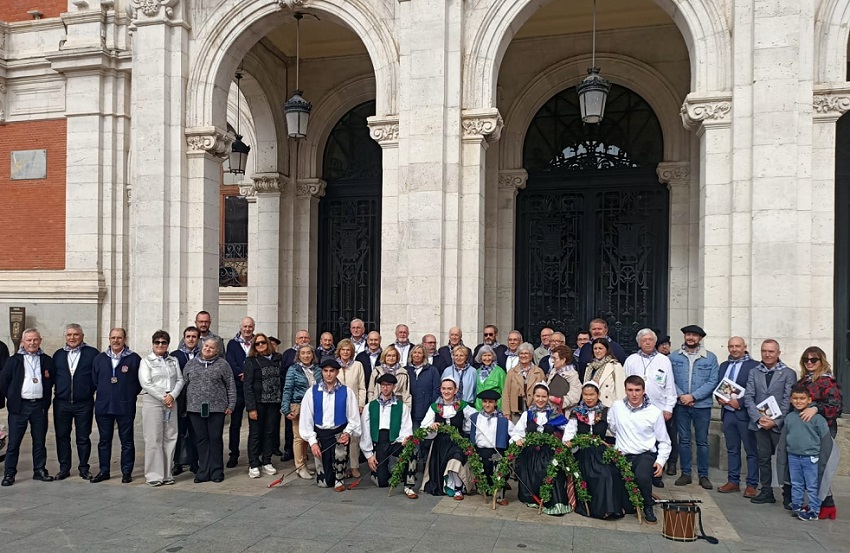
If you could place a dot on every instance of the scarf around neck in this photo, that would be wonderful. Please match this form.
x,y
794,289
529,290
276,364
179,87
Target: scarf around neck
x,y
588,415
22,351
745,357
68,348
120,355
643,405
778,366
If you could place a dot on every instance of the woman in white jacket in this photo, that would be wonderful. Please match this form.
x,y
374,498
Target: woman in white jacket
x,y
606,372
162,382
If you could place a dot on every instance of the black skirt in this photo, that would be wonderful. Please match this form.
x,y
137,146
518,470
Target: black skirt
x,y
608,497
443,450
531,465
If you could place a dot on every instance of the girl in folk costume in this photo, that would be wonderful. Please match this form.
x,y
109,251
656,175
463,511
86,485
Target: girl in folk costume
x,y
389,363
531,464
490,375
490,433
607,491
446,472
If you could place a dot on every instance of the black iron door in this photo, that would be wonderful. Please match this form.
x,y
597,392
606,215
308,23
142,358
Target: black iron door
x,y
349,283
592,223
842,253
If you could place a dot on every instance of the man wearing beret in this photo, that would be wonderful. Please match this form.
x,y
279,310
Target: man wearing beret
x,y
386,426
695,372
663,345
490,432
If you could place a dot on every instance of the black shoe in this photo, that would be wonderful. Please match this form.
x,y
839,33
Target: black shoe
x,y
85,474
287,455
218,480
671,469
63,474
705,483
199,481
126,479
233,461
99,477
176,469
649,515
683,480
658,483
193,468
8,480
277,453
763,497
42,476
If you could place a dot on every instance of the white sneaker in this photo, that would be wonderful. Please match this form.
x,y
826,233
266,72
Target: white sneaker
x,y
304,473
254,472
269,469
322,483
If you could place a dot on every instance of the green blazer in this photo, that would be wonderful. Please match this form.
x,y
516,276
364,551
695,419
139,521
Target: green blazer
x,y
494,381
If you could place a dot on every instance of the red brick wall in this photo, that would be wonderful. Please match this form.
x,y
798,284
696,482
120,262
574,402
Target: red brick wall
x,y
32,212
16,10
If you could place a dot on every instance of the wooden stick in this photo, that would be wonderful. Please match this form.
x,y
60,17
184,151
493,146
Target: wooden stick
x,y
494,501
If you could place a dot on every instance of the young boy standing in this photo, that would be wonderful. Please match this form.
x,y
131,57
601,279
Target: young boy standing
x,y
803,445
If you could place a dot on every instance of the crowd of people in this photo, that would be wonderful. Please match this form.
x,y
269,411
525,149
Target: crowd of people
x,y
356,401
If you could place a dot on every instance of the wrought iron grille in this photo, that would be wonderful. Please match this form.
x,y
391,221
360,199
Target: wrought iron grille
x,y
233,264
350,227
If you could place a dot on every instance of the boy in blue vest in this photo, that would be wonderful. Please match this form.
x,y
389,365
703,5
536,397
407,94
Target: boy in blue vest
x,y
330,419
490,432
386,426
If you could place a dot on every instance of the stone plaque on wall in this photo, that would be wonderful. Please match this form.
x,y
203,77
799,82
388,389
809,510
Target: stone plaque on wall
x,y
29,165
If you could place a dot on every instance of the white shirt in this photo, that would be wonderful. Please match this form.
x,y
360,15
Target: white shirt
x,y
73,360
511,362
657,374
518,433
373,357
406,430
485,433
638,431
306,423
359,347
403,351
32,370
448,412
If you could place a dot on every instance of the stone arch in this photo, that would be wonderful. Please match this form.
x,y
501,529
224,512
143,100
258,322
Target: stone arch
x,y
629,72
832,25
269,126
703,27
234,27
326,113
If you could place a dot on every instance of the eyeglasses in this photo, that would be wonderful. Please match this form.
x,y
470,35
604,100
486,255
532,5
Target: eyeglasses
x,y
812,360
260,343
160,343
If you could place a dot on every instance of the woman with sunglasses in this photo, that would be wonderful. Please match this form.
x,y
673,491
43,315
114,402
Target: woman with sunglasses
x,y
263,387
826,401
162,382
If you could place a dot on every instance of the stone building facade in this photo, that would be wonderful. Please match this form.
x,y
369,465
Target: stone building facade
x,y
133,103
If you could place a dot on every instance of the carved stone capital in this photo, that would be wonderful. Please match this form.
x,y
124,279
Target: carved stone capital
x,y
208,140
513,179
674,173
264,183
482,124
384,130
706,111
831,103
152,9
306,188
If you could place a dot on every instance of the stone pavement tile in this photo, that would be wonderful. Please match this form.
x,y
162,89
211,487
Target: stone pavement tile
x,y
219,542
375,545
590,539
540,532
276,544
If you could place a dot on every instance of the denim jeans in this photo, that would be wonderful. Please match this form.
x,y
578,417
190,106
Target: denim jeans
x,y
804,475
700,418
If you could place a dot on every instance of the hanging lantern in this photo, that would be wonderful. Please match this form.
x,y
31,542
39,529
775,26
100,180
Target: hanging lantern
x,y
238,160
593,91
297,109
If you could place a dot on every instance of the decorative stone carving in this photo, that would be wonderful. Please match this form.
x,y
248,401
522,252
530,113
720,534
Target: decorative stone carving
x,y
306,188
714,110
674,173
513,179
208,140
2,100
264,183
831,103
482,124
384,131
151,8
292,4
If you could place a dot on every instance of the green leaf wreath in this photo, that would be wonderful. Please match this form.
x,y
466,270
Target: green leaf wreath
x,y
473,461
613,456
562,460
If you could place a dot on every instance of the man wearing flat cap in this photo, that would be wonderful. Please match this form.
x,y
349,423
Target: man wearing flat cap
x,y
387,426
695,372
663,345
490,432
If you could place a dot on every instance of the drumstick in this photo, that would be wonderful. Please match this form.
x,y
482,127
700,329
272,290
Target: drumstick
x,y
279,480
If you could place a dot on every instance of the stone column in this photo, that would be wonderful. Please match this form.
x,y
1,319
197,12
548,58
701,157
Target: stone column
x,y
710,117
264,250
677,176
500,292
305,254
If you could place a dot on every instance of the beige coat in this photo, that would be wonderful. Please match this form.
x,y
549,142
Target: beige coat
x,y
354,379
402,387
612,380
515,386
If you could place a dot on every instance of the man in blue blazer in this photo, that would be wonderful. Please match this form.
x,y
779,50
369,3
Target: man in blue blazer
x,y
736,421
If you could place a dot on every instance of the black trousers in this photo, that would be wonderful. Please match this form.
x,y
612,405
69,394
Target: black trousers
x,y
642,466
33,415
236,424
766,442
209,432
106,430
331,466
287,436
490,458
673,432
261,433
383,451
80,414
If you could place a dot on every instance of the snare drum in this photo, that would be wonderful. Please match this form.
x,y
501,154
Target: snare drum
x,y
679,518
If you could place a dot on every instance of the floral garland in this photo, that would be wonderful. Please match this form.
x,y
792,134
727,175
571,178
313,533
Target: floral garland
x,y
473,461
562,460
613,455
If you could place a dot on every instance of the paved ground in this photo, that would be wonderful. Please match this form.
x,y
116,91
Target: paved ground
x,y
241,514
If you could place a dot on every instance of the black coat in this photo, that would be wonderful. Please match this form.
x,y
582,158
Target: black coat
x,y
741,380
585,355
81,386
254,378
12,381
119,398
4,355
366,360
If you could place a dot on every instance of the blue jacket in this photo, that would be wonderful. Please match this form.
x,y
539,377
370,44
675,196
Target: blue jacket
x,y
296,385
80,387
424,390
118,398
741,379
702,382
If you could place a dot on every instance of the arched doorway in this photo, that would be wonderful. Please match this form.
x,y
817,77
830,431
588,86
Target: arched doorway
x,y
350,226
842,252
592,222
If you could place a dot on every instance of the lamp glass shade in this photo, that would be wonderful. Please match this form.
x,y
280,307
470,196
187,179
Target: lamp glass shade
x,y
297,111
239,156
592,95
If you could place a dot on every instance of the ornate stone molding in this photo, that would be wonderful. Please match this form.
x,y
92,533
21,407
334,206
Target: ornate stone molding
x,y
264,183
2,100
306,188
831,103
208,140
293,4
707,111
384,130
152,8
483,124
674,173
513,179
